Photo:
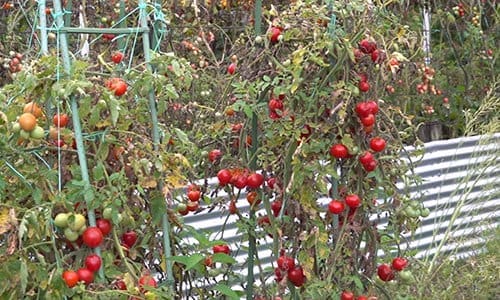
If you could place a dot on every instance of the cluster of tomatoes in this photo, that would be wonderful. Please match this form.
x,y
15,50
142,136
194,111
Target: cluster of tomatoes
x,y
14,64
74,227
387,272
276,107
459,10
27,123
193,195
348,295
117,85
287,269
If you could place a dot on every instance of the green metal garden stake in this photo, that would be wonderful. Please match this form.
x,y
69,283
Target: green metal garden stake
x,y
76,119
43,27
156,140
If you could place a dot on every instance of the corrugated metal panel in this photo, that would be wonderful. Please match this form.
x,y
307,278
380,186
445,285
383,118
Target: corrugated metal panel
x,y
460,180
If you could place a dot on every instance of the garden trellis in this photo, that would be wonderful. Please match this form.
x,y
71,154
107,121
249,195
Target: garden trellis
x,y
62,29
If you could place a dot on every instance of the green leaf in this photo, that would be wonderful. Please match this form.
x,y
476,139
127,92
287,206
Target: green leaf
x,y
158,207
170,91
227,291
98,171
223,258
114,109
189,261
37,195
182,136
200,237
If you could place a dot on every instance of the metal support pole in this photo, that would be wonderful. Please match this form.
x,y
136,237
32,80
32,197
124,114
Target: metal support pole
x,y
156,141
427,33
43,26
76,118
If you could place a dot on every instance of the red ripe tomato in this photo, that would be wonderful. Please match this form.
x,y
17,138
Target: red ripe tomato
x,y
147,281
85,275
214,155
117,85
377,144
93,262
362,109
253,198
224,177
364,86
232,207
231,68
347,295
368,120
264,221
399,263
353,201
240,181
120,285
120,88
92,237
336,207
366,158
339,151
370,166
129,238
372,107
296,276
367,46
60,120
278,274
208,261
385,272
221,249
276,207
236,127
255,180
192,205
182,209
363,77
285,263
362,297
117,57
271,182
70,278
108,36
104,225
274,34
378,56
275,104
194,195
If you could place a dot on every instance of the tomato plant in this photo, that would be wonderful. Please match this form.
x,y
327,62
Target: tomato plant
x,y
288,119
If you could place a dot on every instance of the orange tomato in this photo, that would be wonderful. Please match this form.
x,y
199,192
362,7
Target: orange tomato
x,y
33,108
27,122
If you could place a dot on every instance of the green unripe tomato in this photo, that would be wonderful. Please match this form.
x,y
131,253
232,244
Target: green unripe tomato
x,y
406,276
412,212
107,213
71,235
61,220
16,127
38,133
425,212
76,221
24,134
